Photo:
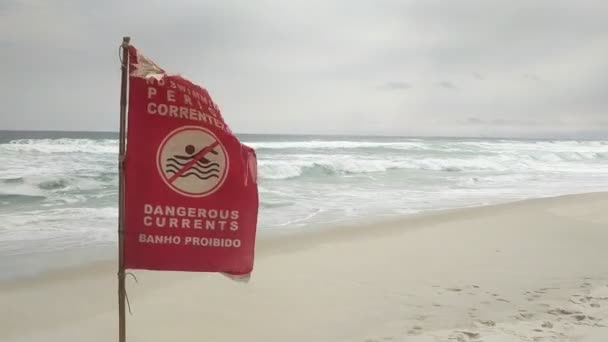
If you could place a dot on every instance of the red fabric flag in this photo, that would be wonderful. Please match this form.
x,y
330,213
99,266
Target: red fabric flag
x,y
191,197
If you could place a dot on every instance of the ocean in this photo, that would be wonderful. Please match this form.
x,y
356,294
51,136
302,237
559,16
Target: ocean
x,y
58,190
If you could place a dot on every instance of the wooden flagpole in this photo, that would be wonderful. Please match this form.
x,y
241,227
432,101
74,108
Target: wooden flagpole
x,y
121,190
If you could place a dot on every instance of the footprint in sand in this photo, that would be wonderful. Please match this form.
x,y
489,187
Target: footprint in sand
x,y
488,323
525,316
547,325
533,297
472,313
416,330
465,336
580,317
562,312
454,289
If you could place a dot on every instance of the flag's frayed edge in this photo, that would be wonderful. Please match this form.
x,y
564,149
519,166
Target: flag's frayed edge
x,y
146,68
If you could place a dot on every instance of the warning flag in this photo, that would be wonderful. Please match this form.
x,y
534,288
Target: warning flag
x,y
191,197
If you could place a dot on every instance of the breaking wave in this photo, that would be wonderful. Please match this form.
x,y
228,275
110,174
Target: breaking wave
x,y
441,145
338,165
287,170
332,145
63,145
57,187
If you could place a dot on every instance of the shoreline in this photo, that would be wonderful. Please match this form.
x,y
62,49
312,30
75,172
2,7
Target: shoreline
x,y
267,238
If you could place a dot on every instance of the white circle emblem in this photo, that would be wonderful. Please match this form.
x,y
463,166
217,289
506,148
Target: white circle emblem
x,y
192,161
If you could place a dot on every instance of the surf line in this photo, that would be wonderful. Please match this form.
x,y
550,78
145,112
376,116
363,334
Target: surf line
x,y
194,160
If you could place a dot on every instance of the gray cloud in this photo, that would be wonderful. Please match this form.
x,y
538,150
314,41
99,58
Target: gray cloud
x,y
308,66
447,85
478,76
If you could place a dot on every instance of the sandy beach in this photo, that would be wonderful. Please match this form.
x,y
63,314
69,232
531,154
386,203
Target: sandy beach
x,y
534,270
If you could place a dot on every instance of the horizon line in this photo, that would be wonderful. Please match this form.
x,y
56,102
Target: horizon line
x,y
371,135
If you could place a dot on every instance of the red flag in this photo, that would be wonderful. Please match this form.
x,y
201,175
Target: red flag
x,y
191,198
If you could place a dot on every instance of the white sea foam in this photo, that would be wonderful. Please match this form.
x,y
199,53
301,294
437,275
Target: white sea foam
x,y
63,145
300,165
449,145
338,144
54,187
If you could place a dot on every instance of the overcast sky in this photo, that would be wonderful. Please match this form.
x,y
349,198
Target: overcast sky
x,y
458,68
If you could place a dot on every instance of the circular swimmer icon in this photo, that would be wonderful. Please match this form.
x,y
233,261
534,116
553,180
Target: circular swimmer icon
x,y
192,161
